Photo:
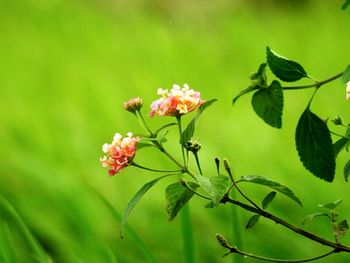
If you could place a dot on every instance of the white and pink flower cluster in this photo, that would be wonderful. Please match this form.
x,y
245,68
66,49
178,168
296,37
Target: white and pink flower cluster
x,y
177,102
348,91
119,153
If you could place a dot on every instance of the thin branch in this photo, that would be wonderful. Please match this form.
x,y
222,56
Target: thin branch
x,y
337,247
317,84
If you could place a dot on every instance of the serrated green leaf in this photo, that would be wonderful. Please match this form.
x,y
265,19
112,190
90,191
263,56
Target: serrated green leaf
x,y
311,217
314,146
346,75
340,229
134,200
257,179
345,5
268,104
243,92
284,69
176,196
216,187
268,199
252,221
189,131
346,170
332,206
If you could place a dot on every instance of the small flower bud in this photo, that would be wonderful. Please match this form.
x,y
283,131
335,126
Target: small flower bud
x,y
193,145
338,120
227,166
133,105
222,240
217,163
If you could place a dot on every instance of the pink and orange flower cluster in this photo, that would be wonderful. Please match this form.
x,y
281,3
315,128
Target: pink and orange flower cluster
x,y
177,102
119,153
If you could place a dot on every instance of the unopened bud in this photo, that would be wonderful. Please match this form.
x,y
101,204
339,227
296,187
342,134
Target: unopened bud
x,y
227,166
193,145
133,105
338,120
217,163
222,240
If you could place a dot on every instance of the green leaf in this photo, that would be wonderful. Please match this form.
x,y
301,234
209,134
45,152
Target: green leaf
x,y
268,199
176,196
311,217
216,187
257,179
284,69
345,5
347,170
141,145
314,146
189,131
342,143
268,104
340,229
243,92
6,243
331,206
134,200
252,221
30,239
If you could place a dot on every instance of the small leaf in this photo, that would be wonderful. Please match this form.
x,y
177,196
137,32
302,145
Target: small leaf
x,y
284,69
314,146
243,92
342,143
347,170
259,78
216,187
189,131
257,179
332,206
268,104
309,218
268,199
252,221
134,200
345,5
210,205
176,196
141,145
340,229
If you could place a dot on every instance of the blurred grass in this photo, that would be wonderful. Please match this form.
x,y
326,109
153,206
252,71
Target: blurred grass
x,y
67,66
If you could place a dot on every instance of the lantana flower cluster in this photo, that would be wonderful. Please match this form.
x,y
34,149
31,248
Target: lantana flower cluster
x,y
177,102
119,153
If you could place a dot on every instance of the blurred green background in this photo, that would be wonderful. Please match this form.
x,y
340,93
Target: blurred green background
x,y
67,66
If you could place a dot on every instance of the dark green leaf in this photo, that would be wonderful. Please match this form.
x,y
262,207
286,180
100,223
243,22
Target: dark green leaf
x,y
252,221
347,170
331,206
314,145
309,218
210,205
284,69
268,104
345,5
342,143
243,92
257,179
141,145
134,200
216,187
189,131
268,199
340,229
346,74
176,196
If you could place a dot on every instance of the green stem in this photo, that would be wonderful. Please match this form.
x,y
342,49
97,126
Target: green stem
x,y
317,84
240,252
154,170
337,247
197,161
143,122
187,234
178,118
337,134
